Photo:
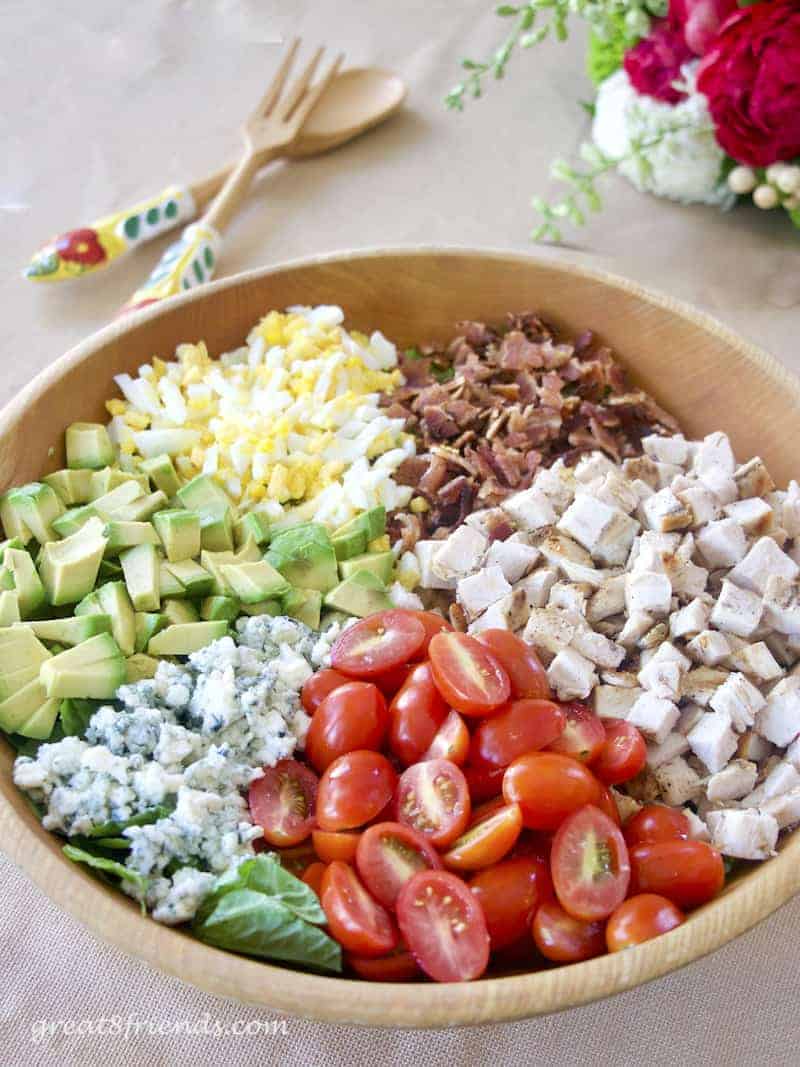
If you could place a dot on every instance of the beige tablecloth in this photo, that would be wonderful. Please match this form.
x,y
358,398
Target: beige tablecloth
x,y
105,101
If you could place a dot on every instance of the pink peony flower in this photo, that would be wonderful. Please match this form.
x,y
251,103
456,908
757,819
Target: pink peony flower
x,y
751,77
655,62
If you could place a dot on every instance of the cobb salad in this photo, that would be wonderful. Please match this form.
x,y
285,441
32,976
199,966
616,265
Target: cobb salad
x,y
403,665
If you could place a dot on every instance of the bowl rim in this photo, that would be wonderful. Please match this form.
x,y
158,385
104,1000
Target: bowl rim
x,y
116,919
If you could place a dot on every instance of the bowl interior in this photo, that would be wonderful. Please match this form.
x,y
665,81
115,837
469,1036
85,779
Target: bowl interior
x,y
706,376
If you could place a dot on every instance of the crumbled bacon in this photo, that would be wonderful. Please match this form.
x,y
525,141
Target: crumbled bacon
x,y
495,405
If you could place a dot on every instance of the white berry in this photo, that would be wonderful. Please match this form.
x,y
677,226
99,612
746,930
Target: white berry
x,y
742,180
766,197
788,180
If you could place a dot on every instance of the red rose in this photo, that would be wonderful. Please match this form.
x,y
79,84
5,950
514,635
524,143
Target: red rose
x,y
80,246
699,20
655,62
751,76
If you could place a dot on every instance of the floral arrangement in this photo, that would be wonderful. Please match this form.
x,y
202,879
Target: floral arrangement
x,y
697,100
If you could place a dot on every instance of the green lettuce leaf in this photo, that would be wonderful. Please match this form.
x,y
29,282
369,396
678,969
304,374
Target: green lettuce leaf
x,y
107,866
144,818
260,909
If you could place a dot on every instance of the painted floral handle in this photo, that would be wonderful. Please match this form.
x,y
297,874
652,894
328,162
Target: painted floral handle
x,y
188,262
82,251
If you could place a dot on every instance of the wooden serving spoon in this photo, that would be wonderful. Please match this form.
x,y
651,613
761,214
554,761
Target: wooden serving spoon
x,y
355,101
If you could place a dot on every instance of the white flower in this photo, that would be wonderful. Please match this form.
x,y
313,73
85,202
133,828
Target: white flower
x,y
686,162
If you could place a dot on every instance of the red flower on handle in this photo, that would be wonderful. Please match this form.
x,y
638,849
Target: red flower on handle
x,y
80,246
654,64
751,76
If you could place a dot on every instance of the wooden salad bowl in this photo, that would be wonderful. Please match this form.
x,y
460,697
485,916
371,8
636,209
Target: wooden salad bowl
x,y
706,376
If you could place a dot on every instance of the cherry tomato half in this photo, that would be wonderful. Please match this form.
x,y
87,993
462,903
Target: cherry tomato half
x,y
331,845
590,866
519,727
486,840
608,805
623,754
283,802
467,675
318,686
432,798
563,939
353,716
583,736
355,919
688,873
443,925
656,822
640,919
390,853
509,893
434,624
416,713
354,789
378,643
312,876
451,740
392,681
400,966
518,659
484,783
548,787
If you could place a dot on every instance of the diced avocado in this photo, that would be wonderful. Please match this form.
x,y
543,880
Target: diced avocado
x,y
114,600
70,631
19,645
380,563
252,582
90,605
74,519
7,580
203,492
196,580
169,585
179,611
311,565
147,624
305,605
12,542
12,681
109,503
100,647
69,568
110,571
161,472
213,563
347,545
374,520
184,638
142,509
252,526
216,528
17,709
179,532
37,506
214,608
332,617
122,535
140,666
94,681
361,594
140,566
379,544
263,607
102,482
40,725
88,445
287,541
73,486
9,607
27,583
12,523
249,552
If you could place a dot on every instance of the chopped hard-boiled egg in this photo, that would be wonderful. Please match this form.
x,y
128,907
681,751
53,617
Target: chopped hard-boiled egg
x,y
290,419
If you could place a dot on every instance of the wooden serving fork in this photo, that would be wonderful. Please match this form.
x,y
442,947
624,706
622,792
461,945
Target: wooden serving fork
x,y
273,125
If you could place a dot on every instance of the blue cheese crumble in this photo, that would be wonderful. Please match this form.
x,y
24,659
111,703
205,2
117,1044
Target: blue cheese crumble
x,y
192,738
